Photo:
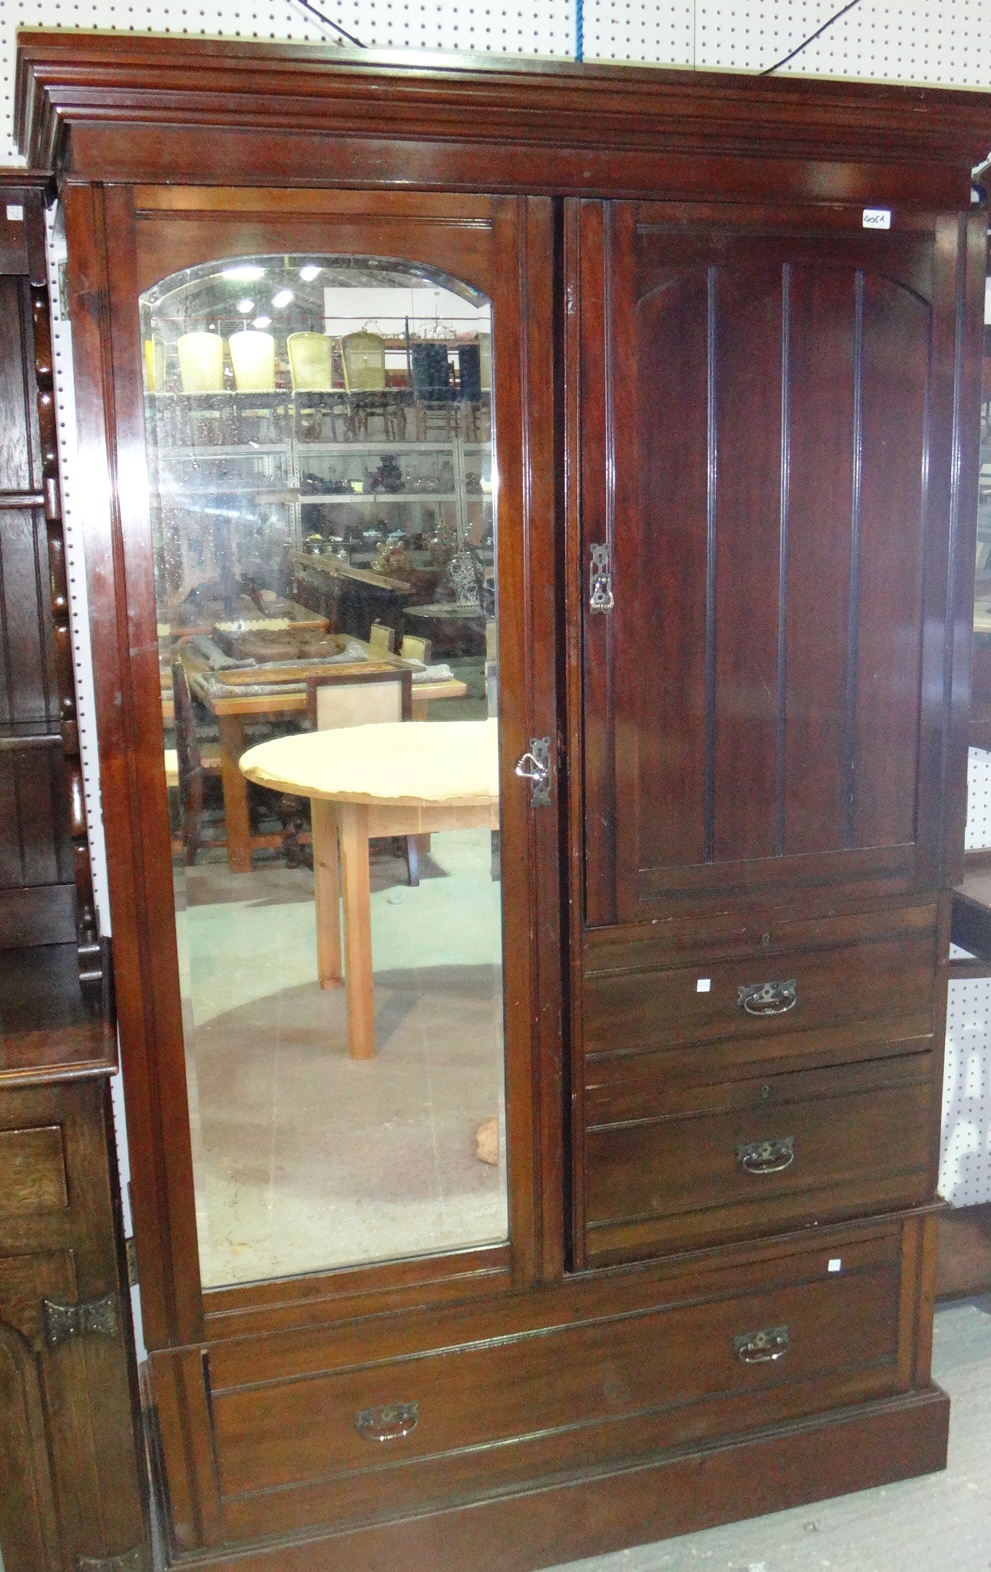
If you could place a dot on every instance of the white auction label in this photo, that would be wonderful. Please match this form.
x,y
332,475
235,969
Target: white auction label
x,y
877,218
703,985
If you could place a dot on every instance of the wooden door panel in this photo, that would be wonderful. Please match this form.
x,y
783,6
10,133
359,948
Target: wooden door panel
x,y
768,422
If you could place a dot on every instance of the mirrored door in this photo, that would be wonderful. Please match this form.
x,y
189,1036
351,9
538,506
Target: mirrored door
x,y
320,440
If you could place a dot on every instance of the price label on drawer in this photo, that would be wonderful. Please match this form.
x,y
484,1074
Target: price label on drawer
x,y
877,218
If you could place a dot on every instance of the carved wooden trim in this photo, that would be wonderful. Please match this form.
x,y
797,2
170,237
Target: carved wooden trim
x,y
95,82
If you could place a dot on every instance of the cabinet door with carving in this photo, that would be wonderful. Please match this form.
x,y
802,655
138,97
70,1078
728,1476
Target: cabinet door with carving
x,y
766,441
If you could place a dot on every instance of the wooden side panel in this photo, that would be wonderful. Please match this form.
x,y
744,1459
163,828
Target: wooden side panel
x,y
747,408
817,604
661,579
889,547
28,1523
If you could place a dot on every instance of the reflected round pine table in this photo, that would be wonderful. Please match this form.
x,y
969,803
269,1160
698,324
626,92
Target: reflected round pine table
x,y
368,781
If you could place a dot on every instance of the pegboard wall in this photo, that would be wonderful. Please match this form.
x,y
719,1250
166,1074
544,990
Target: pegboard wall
x,y
965,1159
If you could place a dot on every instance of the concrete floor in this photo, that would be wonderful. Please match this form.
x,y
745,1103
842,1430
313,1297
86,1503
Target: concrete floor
x,y
941,1523
303,1158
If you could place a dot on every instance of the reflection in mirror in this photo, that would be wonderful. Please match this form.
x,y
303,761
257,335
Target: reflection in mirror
x,y
319,433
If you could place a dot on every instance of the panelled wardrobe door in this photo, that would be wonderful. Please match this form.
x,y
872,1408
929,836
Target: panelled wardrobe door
x,y
765,438
763,701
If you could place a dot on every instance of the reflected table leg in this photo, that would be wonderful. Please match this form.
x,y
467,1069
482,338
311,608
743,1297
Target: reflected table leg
x,y
352,820
327,882
235,787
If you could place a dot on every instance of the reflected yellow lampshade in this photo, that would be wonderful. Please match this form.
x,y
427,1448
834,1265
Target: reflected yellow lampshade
x,y
253,359
154,364
201,362
310,362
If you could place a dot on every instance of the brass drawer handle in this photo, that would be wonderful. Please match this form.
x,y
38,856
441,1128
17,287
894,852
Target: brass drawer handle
x,y
766,1157
770,998
387,1424
760,1348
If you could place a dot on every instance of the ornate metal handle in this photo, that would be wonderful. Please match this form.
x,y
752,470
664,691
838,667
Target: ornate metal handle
x,y
535,766
766,1157
600,595
387,1424
761,1348
770,998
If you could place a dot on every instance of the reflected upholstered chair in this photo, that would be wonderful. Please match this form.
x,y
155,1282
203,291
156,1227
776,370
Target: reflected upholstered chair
x,y
364,377
362,699
382,638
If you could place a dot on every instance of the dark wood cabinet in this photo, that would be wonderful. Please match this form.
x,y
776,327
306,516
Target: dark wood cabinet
x,y
71,1493
736,341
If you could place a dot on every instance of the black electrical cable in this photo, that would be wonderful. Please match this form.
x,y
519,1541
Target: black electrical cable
x,y
811,38
329,22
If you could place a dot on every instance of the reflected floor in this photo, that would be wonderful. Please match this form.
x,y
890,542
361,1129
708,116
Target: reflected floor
x,y
303,1157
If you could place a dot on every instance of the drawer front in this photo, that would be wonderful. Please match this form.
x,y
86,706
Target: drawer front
x,y
689,1165
855,992
32,1172
701,1356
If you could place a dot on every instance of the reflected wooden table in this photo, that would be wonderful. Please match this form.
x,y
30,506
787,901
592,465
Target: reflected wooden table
x,y
233,709
368,781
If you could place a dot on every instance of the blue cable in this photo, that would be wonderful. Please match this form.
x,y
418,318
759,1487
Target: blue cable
x,y
579,31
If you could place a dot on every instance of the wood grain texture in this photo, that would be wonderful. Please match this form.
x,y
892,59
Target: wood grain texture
x,y
61,1244
721,763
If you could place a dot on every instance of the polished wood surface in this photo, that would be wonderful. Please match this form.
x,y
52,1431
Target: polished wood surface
x,y
668,1174
770,416
766,472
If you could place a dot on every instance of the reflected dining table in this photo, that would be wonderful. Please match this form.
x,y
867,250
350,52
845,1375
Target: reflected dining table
x,y
233,708
366,781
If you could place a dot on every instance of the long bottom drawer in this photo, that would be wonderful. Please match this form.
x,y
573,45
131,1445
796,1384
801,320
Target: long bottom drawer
x,y
442,1407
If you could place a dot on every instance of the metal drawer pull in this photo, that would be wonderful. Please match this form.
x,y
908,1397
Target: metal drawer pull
x,y
766,1157
760,1348
770,998
387,1424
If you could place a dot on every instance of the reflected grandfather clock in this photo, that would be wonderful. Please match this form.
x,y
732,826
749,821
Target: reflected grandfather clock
x,y
735,341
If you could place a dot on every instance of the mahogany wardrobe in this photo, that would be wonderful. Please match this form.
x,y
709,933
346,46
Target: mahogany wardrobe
x,y
599,1204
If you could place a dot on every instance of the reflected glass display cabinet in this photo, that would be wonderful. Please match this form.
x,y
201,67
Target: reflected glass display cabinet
x,y
530,525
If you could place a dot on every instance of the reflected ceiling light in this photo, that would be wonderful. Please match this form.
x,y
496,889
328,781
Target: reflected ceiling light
x,y
262,322
309,273
283,298
246,273
246,307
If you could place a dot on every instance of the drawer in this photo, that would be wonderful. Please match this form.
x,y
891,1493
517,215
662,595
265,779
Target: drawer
x,y
674,1166
32,1172
662,1363
853,990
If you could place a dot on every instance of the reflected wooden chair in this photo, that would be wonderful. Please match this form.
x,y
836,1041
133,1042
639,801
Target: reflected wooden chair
x,y
363,355
382,638
362,699
187,768
433,391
